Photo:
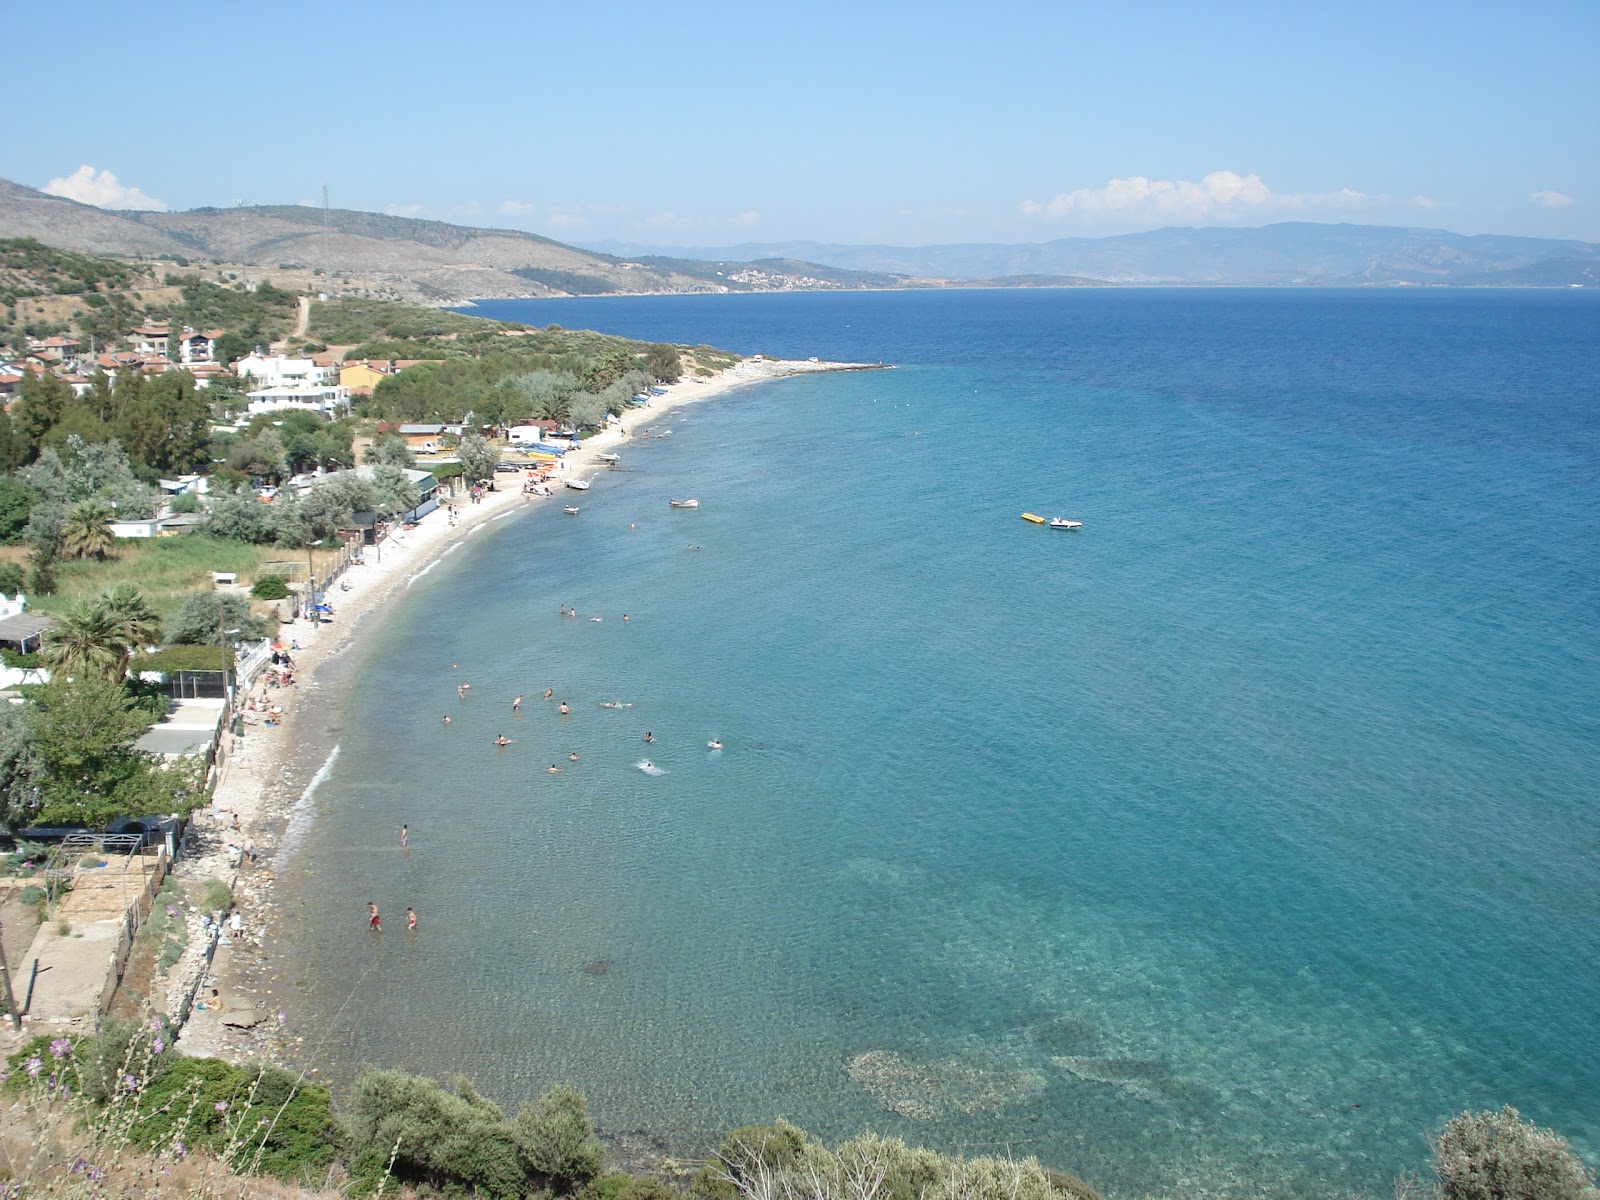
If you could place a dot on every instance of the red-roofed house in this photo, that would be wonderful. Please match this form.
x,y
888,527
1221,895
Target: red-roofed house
x,y
198,345
150,339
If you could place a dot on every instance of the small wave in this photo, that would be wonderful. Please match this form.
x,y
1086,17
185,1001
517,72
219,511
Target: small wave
x,y
648,767
615,704
300,816
421,573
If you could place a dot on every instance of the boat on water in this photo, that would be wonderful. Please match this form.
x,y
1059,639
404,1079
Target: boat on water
x,y
571,510
691,502
1035,518
1063,523
578,485
610,460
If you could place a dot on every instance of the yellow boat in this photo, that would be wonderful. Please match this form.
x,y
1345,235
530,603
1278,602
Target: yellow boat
x,y
1037,520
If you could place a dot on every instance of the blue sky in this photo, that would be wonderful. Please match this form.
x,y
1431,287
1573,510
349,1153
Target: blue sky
x,y
716,123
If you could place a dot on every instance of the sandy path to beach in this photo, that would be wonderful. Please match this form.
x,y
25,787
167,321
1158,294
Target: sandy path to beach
x,y
265,773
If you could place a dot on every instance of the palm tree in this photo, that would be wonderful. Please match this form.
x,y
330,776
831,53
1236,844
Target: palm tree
x,y
86,642
86,530
136,624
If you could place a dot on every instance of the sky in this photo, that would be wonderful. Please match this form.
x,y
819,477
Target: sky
x,y
713,124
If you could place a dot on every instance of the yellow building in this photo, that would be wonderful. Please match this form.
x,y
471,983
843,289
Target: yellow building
x,y
360,378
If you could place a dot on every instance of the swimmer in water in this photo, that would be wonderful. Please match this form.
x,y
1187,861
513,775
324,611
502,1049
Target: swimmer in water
x,y
563,710
648,736
502,741
447,720
548,692
552,769
573,757
714,744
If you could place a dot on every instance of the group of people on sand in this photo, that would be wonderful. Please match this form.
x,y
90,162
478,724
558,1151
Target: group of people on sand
x,y
374,921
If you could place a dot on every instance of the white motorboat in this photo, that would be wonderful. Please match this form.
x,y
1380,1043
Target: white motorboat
x,y
691,502
578,485
1063,523
610,460
571,510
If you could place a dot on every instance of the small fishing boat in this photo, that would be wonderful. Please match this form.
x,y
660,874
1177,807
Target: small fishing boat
x,y
571,510
578,485
1063,523
691,502
1033,517
610,460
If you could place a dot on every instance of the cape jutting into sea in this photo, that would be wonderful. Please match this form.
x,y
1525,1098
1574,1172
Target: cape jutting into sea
x,y
1229,844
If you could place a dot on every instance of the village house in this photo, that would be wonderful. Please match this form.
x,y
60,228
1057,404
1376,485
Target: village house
x,y
198,345
279,371
150,339
361,377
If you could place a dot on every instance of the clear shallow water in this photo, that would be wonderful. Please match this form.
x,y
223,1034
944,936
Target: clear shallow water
x,y
1229,844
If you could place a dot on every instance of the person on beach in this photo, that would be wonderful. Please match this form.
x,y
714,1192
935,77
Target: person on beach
x,y
516,705
236,925
250,849
405,832
372,917
411,921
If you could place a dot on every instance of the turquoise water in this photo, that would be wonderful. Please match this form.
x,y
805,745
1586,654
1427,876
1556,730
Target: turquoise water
x,y
1226,846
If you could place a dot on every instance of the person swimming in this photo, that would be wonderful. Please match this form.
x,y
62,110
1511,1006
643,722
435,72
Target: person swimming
x,y
502,740
714,744
552,769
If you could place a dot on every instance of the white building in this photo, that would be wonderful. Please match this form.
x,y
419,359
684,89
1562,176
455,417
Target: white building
x,y
327,400
276,371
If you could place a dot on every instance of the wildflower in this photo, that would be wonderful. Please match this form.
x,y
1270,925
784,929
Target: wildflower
x,y
33,1066
221,1106
60,1048
155,1024
180,1149
157,1045
129,1082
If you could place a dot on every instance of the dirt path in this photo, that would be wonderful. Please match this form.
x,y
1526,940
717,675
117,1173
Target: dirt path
x,y
303,322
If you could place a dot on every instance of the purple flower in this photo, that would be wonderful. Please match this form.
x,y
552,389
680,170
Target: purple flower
x,y
155,1024
157,1045
221,1106
180,1149
129,1082
33,1066
60,1048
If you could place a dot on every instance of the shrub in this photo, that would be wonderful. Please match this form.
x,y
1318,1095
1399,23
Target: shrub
x,y
31,895
217,897
558,1139
13,578
270,587
1499,1156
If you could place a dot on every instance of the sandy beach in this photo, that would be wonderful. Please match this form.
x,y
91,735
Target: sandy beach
x,y
264,792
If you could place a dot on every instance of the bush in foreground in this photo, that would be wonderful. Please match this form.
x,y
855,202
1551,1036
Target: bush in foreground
x,y
1499,1156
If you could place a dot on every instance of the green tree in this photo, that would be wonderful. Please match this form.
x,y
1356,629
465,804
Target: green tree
x,y
662,361
1499,1156
83,732
232,346
41,399
478,456
206,618
14,448
241,516
86,530
16,502
166,422
392,491
389,450
558,1140
135,623
82,470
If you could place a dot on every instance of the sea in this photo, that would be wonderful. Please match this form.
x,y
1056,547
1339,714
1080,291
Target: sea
x,y
1226,846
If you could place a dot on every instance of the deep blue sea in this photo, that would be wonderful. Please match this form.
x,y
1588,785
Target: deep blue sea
x,y
1226,846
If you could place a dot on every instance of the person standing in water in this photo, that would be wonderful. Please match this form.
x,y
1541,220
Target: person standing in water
x,y
411,921
516,705
372,917
405,836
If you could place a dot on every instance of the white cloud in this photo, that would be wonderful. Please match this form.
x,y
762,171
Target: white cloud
x,y
1549,199
566,221
405,210
1221,194
1424,202
517,208
101,189
746,219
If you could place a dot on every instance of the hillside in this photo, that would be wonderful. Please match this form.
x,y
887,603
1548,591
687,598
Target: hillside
x,y
1295,253
371,254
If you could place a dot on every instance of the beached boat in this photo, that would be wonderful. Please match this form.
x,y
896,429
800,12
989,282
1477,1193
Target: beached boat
x,y
571,510
578,485
610,460
1063,523
1033,517
691,502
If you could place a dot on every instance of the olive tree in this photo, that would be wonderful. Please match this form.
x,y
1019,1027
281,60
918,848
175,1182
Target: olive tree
x,y
478,456
1499,1156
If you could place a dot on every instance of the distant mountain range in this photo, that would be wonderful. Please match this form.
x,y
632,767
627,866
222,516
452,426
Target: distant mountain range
x,y
436,263
1296,253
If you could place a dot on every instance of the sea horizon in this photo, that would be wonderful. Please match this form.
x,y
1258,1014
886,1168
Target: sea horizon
x,y
1227,845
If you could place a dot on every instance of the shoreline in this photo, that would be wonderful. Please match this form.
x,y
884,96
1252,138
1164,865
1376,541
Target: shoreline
x,y
269,778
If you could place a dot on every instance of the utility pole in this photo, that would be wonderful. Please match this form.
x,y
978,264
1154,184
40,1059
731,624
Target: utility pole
x,y
5,975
